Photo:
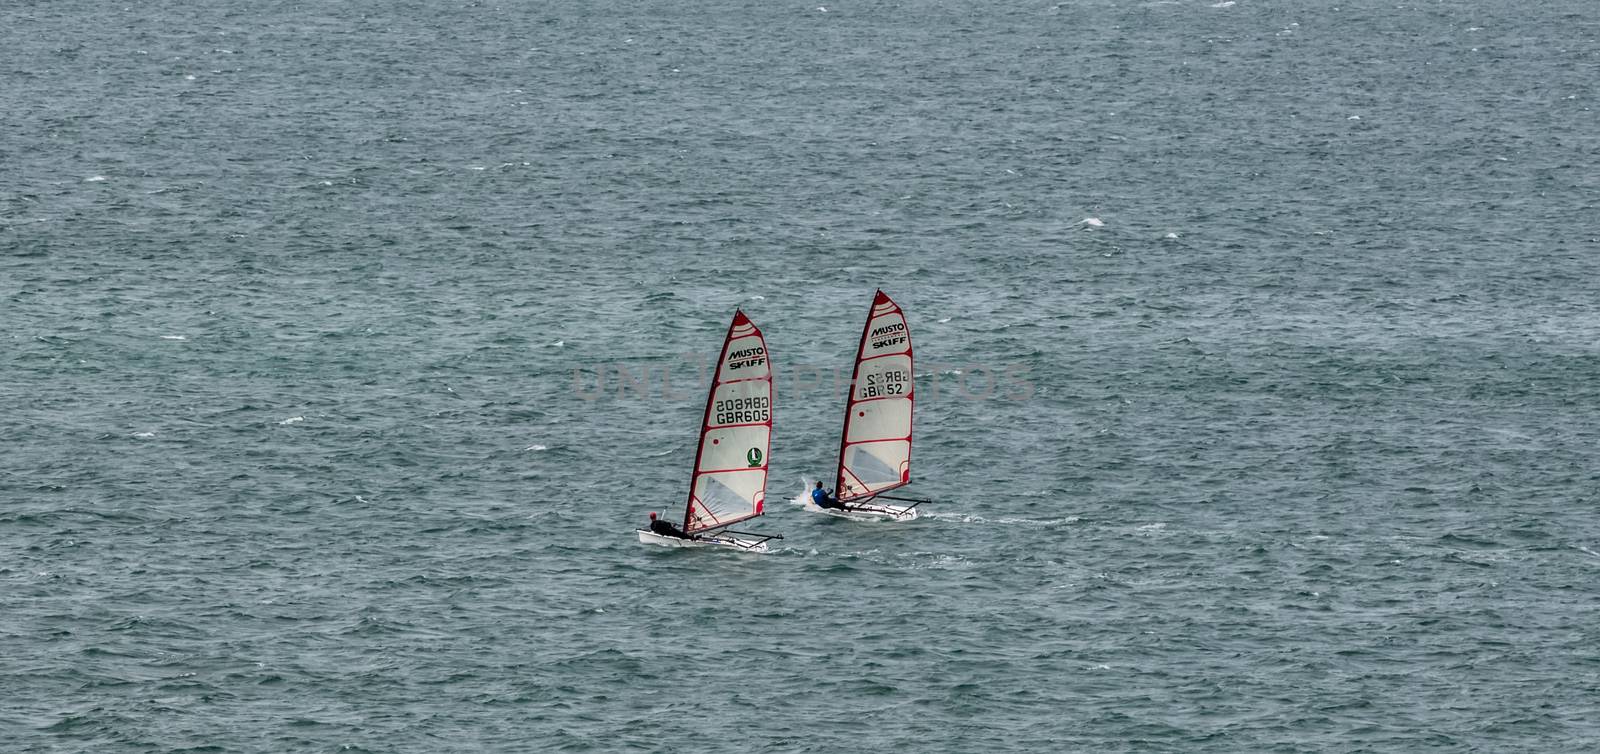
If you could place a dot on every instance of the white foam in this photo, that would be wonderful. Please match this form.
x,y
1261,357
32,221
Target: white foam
x,y
942,321
1092,222
94,179
293,420
1223,4
964,518
559,344
805,492
174,337
537,447
1039,521
144,434
938,562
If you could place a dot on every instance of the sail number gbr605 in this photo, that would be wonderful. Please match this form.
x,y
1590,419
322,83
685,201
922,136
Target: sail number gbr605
x,y
889,383
742,410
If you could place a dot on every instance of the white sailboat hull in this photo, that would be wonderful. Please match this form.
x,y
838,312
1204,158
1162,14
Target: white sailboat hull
x,y
707,540
867,511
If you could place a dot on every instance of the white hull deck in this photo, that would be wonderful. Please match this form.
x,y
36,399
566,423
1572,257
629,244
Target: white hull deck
x,y
867,511
723,541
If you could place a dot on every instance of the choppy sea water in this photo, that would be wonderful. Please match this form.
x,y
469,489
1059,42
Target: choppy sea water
x,y
1258,366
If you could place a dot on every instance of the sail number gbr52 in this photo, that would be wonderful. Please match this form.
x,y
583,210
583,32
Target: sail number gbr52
x,y
891,382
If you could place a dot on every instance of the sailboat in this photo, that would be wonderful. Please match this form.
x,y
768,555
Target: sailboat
x,y
729,484
875,444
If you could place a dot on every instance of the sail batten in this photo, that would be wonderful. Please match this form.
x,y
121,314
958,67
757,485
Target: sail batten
x,y
730,466
875,445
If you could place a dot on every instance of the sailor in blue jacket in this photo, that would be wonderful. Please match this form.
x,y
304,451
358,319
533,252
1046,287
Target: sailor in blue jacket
x,y
824,499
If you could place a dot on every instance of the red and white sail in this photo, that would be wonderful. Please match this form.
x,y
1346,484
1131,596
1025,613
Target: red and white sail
x,y
730,468
875,450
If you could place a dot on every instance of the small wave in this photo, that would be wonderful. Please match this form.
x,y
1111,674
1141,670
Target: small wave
x,y
964,518
537,447
174,337
293,420
806,552
1478,559
144,434
1039,522
94,179
935,561
968,518
1470,541
942,321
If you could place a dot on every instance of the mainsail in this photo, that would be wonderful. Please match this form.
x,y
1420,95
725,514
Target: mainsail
x,y
730,468
875,449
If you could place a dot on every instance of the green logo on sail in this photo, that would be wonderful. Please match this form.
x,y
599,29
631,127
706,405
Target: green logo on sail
x,y
754,456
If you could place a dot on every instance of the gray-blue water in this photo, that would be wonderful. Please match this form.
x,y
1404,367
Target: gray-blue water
x,y
1259,369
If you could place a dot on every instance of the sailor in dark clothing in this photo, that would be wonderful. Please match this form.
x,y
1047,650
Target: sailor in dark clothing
x,y
824,499
664,528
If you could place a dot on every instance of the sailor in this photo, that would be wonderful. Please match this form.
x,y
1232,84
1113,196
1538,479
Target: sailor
x,y
665,528
825,499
